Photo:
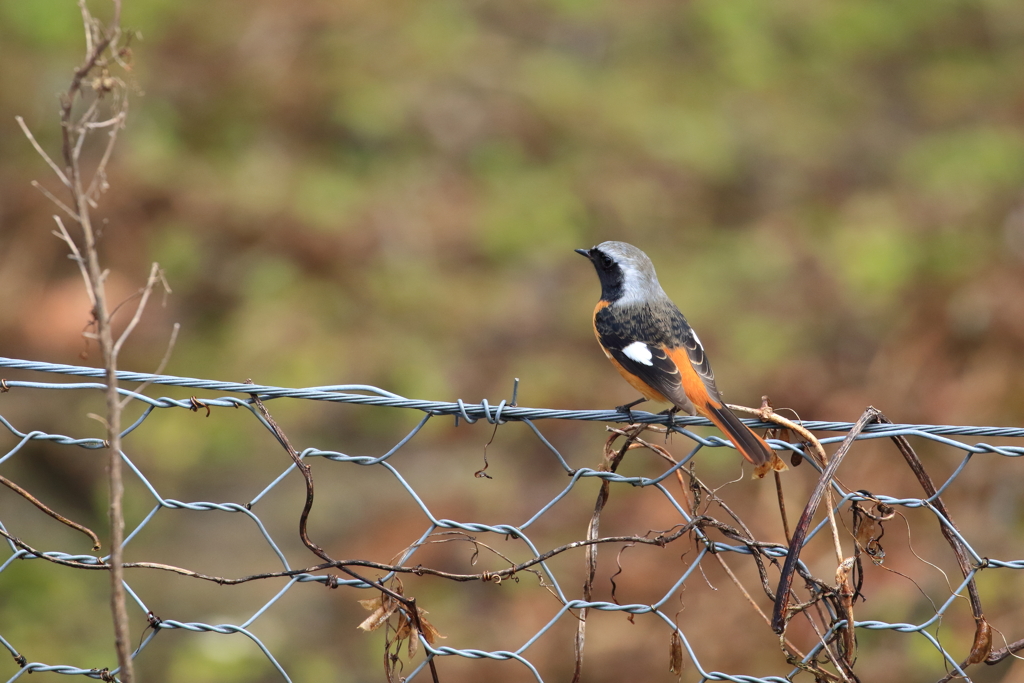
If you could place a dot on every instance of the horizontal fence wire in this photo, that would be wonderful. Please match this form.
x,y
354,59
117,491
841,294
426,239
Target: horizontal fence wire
x,y
500,412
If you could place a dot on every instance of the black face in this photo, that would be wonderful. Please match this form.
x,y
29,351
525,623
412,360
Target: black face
x,y
608,272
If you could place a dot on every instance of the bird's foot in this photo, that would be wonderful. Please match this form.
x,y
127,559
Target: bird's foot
x,y
626,408
671,412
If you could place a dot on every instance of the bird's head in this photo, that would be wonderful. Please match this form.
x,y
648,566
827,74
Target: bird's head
x,y
627,275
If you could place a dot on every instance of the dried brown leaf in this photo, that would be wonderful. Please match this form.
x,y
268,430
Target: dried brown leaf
x,y
371,604
675,654
843,571
414,646
982,642
405,630
382,607
869,531
430,634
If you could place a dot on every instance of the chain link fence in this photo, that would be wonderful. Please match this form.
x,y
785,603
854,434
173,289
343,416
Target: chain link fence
x,y
811,619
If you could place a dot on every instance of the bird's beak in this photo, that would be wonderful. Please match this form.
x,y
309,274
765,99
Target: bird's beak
x,y
584,252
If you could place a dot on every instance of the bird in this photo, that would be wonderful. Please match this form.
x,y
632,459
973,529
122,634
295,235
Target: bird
x,y
647,339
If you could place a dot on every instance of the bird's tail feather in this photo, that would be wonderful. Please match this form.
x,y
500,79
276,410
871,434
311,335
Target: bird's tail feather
x,y
750,445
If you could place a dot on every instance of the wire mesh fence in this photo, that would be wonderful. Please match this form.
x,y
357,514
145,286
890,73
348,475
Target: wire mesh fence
x,y
810,620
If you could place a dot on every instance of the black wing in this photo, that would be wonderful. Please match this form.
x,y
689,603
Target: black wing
x,y
645,358
698,359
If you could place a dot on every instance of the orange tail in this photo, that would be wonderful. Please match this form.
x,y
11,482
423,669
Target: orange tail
x,y
750,445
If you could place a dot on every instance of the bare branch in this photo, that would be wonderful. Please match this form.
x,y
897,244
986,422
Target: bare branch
x,y
781,612
88,23
73,135
154,277
767,414
61,205
660,540
163,363
57,516
82,126
77,258
1002,653
99,179
42,152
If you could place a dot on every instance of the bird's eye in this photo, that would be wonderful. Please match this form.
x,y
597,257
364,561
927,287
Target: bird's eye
x,y
606,261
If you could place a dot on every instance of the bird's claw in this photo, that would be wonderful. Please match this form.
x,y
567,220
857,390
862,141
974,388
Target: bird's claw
x,y
625,408
671,413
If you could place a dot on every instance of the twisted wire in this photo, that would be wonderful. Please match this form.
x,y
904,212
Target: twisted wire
x,y
499,413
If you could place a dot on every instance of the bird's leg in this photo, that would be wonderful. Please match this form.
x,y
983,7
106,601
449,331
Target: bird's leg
x,y
671,412
625,408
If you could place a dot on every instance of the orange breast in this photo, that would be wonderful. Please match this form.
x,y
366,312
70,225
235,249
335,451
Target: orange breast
x,y
646,390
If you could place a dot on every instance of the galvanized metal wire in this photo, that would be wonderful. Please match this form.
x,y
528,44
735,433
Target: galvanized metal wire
x,y
240,395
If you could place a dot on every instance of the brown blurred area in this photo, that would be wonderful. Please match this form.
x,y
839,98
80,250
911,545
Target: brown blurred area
x,y
389,193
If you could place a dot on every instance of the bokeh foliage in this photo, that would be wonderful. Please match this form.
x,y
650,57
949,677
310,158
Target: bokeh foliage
x,y
390,192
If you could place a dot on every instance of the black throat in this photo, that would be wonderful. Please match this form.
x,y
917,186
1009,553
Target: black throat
x,y
613,281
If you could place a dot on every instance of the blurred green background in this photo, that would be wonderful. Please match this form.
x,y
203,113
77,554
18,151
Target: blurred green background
x,y
346,191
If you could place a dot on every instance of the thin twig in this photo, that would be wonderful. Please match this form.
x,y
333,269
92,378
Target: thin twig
x,y
83,130
60,205
159,368
77,258
154,277
1002,653
813,667
660,541
57,516
42,152
96,125
767,414
94,276
410,603
782,508
303,468
982,645
98,183
612,459
780,614
713,497
753,603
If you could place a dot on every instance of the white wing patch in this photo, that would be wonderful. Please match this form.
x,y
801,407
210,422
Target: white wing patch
x,y
639,352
